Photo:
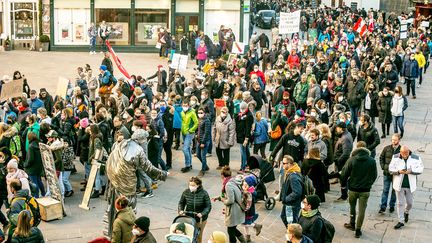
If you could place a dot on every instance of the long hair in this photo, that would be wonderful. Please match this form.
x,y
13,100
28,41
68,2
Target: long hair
x,y
24,226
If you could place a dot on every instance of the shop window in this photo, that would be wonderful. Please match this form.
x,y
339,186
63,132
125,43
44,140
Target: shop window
x,y
24,20
71,26
147,25
117,21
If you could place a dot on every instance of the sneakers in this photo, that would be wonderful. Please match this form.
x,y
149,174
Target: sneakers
x,y
209,155
419,85
341,199
201,173
414,97
392,209
69,193
95,194
148,195
186,169
358,233
406,217
258,228
382,210
349,226
399,225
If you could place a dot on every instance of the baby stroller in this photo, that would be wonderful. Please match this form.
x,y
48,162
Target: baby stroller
x,y
191,231
265,175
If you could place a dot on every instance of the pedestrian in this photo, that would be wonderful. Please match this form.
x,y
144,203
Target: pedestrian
x,y
92,34
405,167
295,234
410,72
95,145
310,219
420,58
156,121
243,124
384,105
167,113
224,137
342,150
360,173
25,231
33,164
291,192
261,135
234,214
141,231
124,221
369,134
399,105
314,168
385,158
248,187
292,144
189,125
201,54
195,202
203,139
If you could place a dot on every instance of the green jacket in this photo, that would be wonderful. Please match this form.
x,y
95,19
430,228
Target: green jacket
x,y
189,121
301,92
122,226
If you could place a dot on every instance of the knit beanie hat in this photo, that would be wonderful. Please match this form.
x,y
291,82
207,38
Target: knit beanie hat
x,y
314,201
13,164
143,223
103,67
250,180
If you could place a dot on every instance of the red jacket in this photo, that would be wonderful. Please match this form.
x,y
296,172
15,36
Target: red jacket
x,y
293,61
260,74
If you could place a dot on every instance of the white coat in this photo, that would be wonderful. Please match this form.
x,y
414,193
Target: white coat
x,y
414,163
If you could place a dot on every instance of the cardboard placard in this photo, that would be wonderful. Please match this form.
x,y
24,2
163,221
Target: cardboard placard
x,y
289,22
62,87
219,103
179,61
12,89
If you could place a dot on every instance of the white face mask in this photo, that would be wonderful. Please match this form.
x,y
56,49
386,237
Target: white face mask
x,y
125,116
200,115
302,206
133,128
185,109
153,116
340,98
286,237
135,232
193,188
313,114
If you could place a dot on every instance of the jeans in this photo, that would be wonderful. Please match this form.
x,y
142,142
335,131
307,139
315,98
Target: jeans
x,y
398,122
93,44
202,154
177,137
420,75
233,233
290,214
60,179
38,181
201,63
404,196
65,180
410,83
223,156
144,181
161,161
354,114
362,197
87,169
187,145
244,152
387,185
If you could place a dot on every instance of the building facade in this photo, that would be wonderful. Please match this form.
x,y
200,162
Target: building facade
x,y
134,23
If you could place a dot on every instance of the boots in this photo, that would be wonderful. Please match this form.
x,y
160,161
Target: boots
x,y
95,194
103,190
257,228
242,239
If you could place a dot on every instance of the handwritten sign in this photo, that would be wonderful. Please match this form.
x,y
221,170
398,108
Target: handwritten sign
x,y
12,89
62,87
179,62
289,22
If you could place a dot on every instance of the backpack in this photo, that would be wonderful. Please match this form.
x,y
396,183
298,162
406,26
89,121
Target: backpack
x,y
15,146
112,80
246,201
328,230
308,188
33,206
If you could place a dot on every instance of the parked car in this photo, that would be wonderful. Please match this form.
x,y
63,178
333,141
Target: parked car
x,y
266,19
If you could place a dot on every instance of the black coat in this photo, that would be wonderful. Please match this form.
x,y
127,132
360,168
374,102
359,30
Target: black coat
x,y
33,164
312,227
386,156
370,136
108,63
360,171
244,126
259,97
197,202
355,93
373,111
316,171
384,107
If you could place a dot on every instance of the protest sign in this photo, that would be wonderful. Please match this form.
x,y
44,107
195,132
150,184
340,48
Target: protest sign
x,y
179,61
219,103
12,89
289,22
62,87
313,34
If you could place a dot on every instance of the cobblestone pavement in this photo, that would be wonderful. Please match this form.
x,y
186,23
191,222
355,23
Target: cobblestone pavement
x,y
43,69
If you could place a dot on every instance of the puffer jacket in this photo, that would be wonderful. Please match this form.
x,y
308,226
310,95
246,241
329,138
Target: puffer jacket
x,y
343,148
204,130
34,237
224,132
399,105
189,122
291,192
197,202
301,92
370,136
384,105
360,171
386,156
122,163
122,226
261,132
410,69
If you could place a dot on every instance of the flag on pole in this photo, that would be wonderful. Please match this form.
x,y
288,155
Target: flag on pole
x,y
360,27
117,60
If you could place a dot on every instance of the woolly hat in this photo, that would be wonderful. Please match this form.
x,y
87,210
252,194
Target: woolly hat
x,y
103,67
130,111
250,180
300,113
13,163
314,201
143,223
219,237
181,227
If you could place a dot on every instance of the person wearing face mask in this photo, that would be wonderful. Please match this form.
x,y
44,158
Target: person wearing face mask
x,y
369,134
218,86
158,124
128,118
203,139
370,102
141,231
189,126
342,150
243,122
410,72
295,234
167,113
42,116
177,120
384,105
420,58
258,73
310,219
195,202
124,221
355,95
224,137
47,100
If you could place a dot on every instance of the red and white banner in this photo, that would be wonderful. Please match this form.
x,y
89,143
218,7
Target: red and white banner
x,y
238,48
117,61
360,27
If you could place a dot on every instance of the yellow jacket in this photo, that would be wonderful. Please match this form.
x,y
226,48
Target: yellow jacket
x,y
420,59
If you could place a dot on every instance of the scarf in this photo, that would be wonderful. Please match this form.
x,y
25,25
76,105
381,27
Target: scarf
x,y
225,181
308,214
293,169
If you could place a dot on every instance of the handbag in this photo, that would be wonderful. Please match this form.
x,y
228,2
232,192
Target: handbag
x,y
158,45
68,156
276,133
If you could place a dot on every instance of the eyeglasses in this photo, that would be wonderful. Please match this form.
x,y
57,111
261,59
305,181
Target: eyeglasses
x,y
285,163
200,112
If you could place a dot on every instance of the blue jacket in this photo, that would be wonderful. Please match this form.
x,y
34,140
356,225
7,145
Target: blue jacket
x,y
204,130
159,125
177,116
292,189
104,78
261,132
36,104
322,37
350,37
410,69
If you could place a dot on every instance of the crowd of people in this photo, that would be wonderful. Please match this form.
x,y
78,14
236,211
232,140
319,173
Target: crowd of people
x,y
309,99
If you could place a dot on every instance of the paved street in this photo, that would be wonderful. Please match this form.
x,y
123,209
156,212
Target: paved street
x,y
43,70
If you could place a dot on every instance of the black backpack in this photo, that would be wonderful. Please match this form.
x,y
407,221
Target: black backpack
x,y
328,230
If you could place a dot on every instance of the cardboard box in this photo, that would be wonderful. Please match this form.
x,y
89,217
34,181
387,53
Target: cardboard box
x,y
50,209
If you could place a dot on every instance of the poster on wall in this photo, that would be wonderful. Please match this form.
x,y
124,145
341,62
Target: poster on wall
x,y
64,32
79,32
149,31
119,31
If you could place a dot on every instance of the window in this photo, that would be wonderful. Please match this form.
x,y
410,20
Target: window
x,y
71,26
117,21
24,20
147,25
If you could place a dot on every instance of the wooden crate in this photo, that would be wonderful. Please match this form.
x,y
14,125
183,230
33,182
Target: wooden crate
x,y
50,209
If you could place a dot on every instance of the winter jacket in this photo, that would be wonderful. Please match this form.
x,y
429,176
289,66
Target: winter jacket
x,y
420,58
314,92
204,130
33,164
391,76
209,109
343,148
360,171
83,144
399,105
384,107
410,69
370,136
234,215
312,227
397,163
177,123
197,202
224,132
189,121
319,144
259,97
243,126
201,53
123,161
34,237
386,156
3,184
145,238
34,128
122,226
373,109
316,171
17,205
355,93
301,92
291,192
35,104
48,103
291,145
261,132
